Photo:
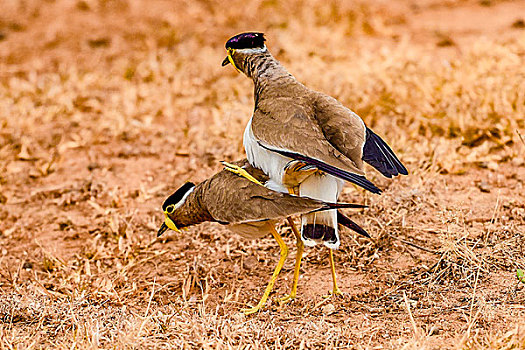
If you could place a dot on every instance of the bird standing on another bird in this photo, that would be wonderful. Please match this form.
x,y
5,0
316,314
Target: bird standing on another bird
x,y
246,207
306,141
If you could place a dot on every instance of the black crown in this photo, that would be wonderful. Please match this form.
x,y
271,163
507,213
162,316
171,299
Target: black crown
x,y
177,195
246,41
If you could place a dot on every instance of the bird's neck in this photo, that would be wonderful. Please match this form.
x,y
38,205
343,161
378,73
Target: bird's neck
x,y
193,211
268,75
261,66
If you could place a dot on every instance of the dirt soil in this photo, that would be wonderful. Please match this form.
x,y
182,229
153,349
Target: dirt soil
x,y
107,106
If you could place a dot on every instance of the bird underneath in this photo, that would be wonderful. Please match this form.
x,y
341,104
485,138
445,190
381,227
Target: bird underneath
x,y
246,207
307,142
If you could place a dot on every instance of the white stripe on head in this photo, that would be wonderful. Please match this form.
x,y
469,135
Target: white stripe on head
x,y
183,199
253,50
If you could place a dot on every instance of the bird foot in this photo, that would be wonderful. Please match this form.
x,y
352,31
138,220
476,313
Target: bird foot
x,y
252,310
295,172
333,293
286,299
240,171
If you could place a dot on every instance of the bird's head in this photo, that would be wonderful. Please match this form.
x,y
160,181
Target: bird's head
x,y
241,45
172,206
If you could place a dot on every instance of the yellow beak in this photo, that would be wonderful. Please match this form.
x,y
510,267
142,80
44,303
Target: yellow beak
x,y
163,228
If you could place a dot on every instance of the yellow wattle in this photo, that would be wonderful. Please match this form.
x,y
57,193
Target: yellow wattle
x,y
230,58
170,224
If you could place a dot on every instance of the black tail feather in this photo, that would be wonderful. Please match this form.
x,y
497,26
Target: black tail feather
x,y
347,222
345,205
329,169
378,154
319,232
338,205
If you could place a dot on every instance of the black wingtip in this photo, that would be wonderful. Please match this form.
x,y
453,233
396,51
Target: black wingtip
x,y
378,154
347,222
359,180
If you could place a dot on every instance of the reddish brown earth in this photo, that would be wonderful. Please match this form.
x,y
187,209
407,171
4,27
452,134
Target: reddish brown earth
x,y
107,106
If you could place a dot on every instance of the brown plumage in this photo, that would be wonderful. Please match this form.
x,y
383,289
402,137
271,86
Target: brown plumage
x,y
244,206
293,122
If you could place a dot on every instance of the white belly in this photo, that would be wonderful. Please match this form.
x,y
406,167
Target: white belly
x,y
270,162
324,187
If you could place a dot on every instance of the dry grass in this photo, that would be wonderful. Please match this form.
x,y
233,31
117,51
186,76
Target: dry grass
x,y
108,105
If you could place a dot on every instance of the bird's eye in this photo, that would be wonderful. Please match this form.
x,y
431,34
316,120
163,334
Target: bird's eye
x,y
170,209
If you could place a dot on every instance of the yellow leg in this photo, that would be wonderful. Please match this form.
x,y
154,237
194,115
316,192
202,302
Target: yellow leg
x,y
336,290
284,254
240,171
298,258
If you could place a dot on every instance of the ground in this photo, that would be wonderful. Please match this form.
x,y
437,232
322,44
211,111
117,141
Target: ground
x,y
107,106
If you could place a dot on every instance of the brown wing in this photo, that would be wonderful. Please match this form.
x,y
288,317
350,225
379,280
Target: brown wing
x,y
347,132
343,128
292,125
230,198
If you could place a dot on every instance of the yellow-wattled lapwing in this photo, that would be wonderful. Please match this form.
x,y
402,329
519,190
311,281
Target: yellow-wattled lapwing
x,y
306,141
245,205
